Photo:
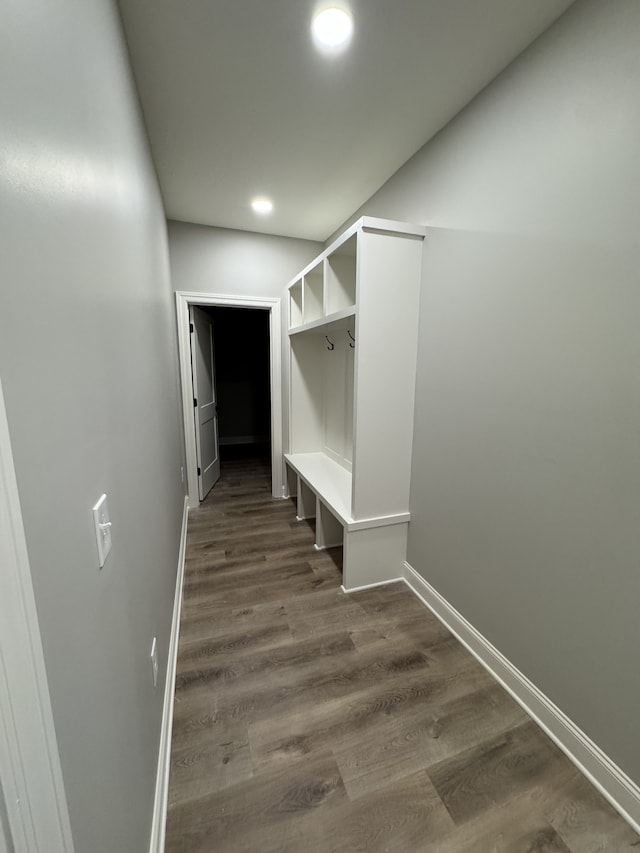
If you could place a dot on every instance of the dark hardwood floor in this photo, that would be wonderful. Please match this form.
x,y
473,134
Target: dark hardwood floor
x,y
307,720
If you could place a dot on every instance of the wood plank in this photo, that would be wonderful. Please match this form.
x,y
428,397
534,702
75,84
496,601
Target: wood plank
x,y
205,762
496,770
416,741
263,813
587,823
351,719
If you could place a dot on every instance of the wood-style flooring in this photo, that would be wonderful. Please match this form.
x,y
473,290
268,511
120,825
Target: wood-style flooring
x,y
309,721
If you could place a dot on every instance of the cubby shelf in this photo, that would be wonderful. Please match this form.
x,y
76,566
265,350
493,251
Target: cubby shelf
x,y
338,320
353,322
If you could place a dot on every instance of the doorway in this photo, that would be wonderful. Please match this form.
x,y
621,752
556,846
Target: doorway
x,y
241,340
271,307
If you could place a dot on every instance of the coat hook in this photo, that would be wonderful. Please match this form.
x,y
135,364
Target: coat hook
x,y
352,345
331,346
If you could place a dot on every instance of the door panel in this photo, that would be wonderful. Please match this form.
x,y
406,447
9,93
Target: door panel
x,y
205,404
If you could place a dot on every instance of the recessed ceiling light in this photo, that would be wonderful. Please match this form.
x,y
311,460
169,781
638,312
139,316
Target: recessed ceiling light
x,y
262,206
332,29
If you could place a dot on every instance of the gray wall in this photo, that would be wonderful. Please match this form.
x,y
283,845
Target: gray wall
x,y
526,470
239,263
87,362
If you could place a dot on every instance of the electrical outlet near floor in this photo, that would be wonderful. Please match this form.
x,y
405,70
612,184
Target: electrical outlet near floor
x,y
154,661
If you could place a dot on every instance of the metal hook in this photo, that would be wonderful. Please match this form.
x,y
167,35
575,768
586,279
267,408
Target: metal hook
x,y
331,346
352,345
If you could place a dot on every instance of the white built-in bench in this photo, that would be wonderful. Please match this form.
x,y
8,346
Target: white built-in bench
x,y
374,548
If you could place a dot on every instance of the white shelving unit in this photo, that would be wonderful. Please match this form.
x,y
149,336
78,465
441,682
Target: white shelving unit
x,y
353,328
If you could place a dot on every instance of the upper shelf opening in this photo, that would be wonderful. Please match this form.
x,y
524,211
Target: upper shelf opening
x,y
313,288
341,276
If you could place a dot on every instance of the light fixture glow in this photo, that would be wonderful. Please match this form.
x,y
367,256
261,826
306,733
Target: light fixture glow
x,y
332,29
262,206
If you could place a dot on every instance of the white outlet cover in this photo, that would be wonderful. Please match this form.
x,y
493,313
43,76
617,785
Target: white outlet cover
x,y
102,526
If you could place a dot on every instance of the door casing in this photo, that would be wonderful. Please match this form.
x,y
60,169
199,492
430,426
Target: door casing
x,y
183,300
31,784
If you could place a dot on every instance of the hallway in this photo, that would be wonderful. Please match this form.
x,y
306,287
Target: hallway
x,y
309,720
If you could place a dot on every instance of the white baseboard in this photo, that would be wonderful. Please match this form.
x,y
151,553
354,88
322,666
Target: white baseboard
x,y
607,777
156,844
370,585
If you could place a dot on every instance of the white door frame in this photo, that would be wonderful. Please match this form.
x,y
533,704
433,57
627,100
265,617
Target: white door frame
x,y
30,772
185,298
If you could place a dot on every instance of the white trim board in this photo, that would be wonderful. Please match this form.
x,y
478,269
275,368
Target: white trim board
x,y
158,824
607,777
185,298
370,585
30,772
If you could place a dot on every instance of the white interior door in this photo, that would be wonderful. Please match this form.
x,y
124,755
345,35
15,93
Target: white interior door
x,y
204,400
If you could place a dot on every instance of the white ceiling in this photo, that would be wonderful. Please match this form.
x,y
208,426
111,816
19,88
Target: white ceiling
x,y
238,103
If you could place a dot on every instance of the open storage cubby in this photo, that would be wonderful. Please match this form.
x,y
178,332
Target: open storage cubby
x,y
352,365
295,305
292,483
322,383
313,283
341,276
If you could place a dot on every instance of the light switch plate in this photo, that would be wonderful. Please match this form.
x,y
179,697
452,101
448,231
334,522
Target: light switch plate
x,y
103,529
154,661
